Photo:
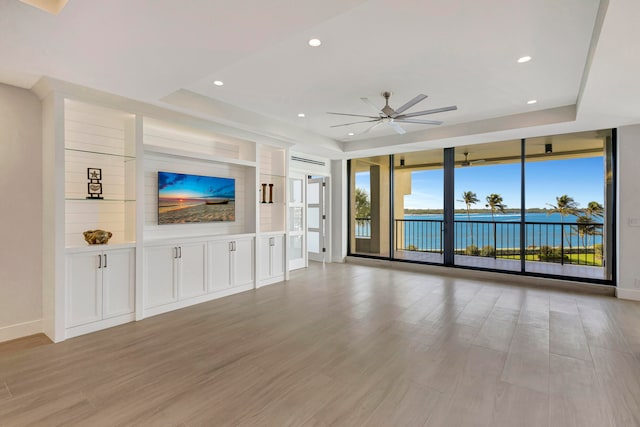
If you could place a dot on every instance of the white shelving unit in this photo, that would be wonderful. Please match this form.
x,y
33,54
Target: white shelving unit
x,y
272,208
91,287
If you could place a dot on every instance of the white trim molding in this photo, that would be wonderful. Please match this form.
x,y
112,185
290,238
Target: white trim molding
x,y
630,294
20,330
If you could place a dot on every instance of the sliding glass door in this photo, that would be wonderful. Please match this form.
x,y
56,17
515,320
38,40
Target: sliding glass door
x,y
540,206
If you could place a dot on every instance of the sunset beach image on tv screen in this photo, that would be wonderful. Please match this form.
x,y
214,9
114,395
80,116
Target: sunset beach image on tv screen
x,y
184,198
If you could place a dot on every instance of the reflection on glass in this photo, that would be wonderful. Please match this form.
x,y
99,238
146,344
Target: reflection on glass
x,y
295,190
295,247
296,219
313,193
313,240
313,217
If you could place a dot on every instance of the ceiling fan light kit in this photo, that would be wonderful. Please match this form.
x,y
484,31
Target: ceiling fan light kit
x,y
393,117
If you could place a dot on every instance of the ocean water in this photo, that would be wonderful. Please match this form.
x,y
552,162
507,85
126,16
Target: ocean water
x,y
425,231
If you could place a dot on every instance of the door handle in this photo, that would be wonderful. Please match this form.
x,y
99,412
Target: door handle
x,y
99,261
105,260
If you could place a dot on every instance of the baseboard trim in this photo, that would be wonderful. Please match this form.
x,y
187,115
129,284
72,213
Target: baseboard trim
x,y
630,294
510,279
19,330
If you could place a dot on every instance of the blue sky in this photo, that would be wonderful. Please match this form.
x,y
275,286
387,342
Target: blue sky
x,y
582,179
176,185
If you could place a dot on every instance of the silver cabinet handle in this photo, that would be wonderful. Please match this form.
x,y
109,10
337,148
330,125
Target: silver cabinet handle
x,y
105,260
99,261
180,251
230,246
272,241
234,246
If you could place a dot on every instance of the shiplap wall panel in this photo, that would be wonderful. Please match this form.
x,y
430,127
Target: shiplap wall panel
x,y
100,135
193,143
154,163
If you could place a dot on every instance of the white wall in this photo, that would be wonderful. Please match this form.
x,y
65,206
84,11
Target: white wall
x,y
21,213
339,210
628,196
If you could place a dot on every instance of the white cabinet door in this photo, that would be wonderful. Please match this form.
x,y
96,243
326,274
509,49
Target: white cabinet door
x,y
277,256
264,250
192,259
243,262
220,265
84,288
160,264
118,278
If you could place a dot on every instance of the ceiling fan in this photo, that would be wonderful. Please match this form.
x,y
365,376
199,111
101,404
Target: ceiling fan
x,y
391,117
467,162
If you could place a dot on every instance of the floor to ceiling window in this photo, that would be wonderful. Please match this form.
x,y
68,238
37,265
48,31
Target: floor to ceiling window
x,y
487,208
370,206
418,185
567,203
536,206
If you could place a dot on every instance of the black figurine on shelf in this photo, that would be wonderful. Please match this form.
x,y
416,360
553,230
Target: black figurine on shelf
x,y
94,186
264,193
270,193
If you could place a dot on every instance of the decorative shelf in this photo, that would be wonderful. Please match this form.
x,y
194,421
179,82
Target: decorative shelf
x,y
122,156
173,152
84,199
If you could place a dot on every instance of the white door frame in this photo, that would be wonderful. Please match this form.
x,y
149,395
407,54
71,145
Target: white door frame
x,y
304,261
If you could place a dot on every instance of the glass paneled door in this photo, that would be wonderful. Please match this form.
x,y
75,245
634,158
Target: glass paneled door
x,y
297,245
316,218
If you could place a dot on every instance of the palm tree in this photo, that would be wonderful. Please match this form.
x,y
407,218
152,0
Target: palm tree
x,y
586,227
469,198
565,206
594,209
494,202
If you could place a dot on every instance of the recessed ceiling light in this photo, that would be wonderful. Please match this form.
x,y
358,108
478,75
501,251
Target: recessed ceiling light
x,y
351,134
532,101
218,83
300,114
524,59
315,42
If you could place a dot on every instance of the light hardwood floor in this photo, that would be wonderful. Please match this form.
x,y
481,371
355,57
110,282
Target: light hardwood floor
x,y
345,345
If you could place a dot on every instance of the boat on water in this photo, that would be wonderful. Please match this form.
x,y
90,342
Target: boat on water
x,y
217,202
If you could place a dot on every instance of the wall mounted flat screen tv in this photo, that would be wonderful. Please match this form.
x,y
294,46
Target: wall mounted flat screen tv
x,y
184,198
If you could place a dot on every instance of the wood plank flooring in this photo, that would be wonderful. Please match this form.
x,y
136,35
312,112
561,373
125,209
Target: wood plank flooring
x,y
345,345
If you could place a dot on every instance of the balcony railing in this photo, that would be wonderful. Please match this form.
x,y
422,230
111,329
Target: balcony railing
x,y
564,243
363,228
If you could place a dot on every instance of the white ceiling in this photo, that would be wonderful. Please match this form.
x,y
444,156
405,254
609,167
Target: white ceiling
x,y
459,52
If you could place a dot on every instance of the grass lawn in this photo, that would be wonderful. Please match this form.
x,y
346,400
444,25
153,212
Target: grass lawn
x,y
581,259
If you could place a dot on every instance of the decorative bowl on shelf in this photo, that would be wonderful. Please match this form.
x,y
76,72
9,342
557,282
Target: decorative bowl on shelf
x,y
97,237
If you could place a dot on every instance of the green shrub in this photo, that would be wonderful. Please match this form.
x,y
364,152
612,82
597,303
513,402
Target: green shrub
x,y
599,250
549,253
412,248
488,251
472,250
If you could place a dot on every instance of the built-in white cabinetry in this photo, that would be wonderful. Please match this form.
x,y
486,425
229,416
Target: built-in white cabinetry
x,y
100,289
101,159
272,258
232,263
174,272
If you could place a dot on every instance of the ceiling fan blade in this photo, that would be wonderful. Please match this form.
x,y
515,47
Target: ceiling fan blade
x,y
422,122
409,104
372,105
397,128
425,112
353,123
370,128
354,115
